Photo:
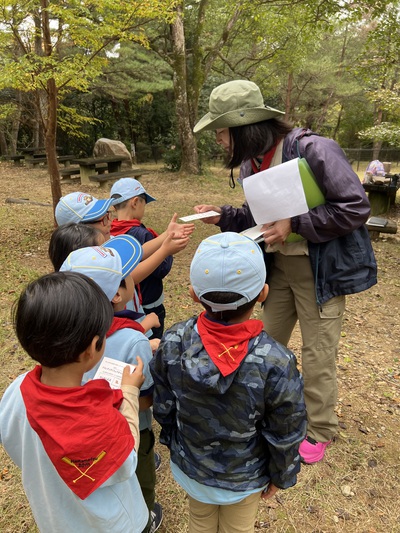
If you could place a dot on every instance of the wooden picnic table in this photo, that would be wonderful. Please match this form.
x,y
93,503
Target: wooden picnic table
x,y
87,165
382,196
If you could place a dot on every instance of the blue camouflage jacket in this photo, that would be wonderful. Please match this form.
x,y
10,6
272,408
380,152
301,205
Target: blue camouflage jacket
x,y
237,432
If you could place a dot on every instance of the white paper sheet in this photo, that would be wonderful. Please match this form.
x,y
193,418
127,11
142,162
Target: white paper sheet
x,y
254,233
276,193
197,216
111,370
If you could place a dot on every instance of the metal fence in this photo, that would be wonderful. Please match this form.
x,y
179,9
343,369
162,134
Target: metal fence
x,y
358,155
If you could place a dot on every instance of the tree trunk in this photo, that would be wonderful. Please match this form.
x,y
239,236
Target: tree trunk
x,y
50,121
377,145
51,143
190,160
15,124
288,98
3,143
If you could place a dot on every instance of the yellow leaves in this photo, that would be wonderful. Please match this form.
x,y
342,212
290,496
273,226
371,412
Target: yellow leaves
x,y
79,36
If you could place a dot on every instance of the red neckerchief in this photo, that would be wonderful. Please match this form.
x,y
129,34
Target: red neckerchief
x,y
227,344
85,436
122,323
266,160
119,227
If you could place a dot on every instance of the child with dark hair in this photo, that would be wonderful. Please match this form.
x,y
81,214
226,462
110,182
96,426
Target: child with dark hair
x,y
69,237
229,398
110,266
76,445
82,208
130,200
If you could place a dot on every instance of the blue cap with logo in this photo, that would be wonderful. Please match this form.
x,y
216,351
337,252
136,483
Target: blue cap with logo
x,y
228,262
107,265
127,188
81,207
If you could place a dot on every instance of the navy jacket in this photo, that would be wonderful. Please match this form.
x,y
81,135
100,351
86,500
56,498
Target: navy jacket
x,y
340,249
151,288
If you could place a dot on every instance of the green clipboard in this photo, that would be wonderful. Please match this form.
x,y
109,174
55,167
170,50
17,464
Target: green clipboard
x,y
312,193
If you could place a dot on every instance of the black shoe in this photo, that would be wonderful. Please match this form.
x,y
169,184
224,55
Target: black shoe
x,y
157,461
156,518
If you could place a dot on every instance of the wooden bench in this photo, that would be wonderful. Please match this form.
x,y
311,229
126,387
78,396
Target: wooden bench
x,y
103,179
17,158
377,225
31,162
65,159
68,172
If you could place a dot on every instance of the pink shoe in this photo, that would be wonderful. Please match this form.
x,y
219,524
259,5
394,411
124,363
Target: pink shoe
x,y
312,451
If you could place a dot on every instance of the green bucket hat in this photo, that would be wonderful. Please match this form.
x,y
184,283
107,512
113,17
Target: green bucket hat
x,y
235,103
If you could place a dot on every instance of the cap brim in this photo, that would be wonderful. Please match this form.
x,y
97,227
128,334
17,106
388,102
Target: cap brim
x,y
129,249
149,198
99,209
238,117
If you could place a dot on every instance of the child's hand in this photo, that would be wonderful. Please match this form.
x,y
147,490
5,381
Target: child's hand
x,y
154,321
150,321
154,343
180,230
173,244
135,378
203,208
271,491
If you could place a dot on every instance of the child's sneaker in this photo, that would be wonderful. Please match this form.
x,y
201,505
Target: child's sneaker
x,y
156,518
312,451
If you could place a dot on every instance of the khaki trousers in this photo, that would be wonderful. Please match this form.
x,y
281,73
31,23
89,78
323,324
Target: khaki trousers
x,y
146,470
235,518
291,298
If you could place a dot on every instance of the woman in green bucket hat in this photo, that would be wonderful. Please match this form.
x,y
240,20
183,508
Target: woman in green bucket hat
x,y
309,273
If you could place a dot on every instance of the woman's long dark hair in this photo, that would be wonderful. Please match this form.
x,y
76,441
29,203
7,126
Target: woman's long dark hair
x,y
253,140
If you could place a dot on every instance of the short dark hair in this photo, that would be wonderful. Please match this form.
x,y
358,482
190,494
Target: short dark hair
x,y
68,238
252,140
124,203
226,298
58,315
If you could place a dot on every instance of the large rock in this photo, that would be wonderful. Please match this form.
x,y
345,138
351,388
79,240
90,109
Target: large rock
x,y
107,147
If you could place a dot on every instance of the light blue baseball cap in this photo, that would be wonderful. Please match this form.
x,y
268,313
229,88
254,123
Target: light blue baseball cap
x,y
107,265
228,262
81,207
127,188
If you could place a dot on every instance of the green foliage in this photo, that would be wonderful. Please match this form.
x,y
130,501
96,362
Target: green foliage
x,y
77,51
386,132
70,121
7,111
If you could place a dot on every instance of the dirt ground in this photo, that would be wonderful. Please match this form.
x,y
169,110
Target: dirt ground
x,y
356,488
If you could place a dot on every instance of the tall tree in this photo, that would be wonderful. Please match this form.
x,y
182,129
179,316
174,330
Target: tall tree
x,y
49,48
225,40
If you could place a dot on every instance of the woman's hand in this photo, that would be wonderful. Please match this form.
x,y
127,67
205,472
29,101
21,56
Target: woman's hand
x,y
203,208
277,232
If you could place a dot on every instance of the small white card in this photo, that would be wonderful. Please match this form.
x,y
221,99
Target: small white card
x,y
111,370
198,216
254,233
